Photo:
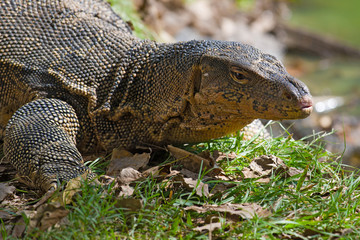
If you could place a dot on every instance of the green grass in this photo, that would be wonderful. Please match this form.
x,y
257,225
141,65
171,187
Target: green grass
x,y
320,206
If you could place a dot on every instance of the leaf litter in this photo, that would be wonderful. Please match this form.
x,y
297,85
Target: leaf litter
x,y
5,190
265,166
126,169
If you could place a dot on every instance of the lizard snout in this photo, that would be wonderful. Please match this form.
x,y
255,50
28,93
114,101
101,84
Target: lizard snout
x,y
301,102
306,104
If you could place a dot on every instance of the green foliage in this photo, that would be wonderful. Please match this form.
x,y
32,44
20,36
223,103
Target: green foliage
x,y
245,4
126,10
332,17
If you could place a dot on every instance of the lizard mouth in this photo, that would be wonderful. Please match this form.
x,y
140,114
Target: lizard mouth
x,y
306,105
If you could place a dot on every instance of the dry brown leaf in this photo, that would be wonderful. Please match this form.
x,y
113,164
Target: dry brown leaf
x,y
220,188
216,171
233,211
266,165
202,189
121,159
219,156
189,160
212,218
5,190
120,185
346,231
19,202
106,180
129,204
72,187
48,215
293,171
126,191
325,192
207,155
128,175
209,227
189,174
4,215
249,210
15,224
158,171
19,228
248,173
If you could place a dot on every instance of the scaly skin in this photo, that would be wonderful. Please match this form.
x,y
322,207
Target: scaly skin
x,y
74,80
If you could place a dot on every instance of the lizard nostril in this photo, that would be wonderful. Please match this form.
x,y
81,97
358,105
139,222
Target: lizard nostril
x,y
288,96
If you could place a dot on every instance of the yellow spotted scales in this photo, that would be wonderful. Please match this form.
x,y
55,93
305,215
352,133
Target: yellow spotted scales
x,y
74,80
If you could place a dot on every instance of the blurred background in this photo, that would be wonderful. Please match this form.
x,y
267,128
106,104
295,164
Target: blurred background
x,y
317,40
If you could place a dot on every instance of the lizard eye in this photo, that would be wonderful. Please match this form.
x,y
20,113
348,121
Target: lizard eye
x,y
239,76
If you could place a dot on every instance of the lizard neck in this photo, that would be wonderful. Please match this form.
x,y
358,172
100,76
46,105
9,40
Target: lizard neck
x,y
155,81
152,89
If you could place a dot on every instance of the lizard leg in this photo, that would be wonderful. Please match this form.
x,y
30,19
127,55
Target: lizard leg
x,y
40,142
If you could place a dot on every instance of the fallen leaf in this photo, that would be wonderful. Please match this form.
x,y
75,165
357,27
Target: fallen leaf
x,y
121,159
209,227
233,211
219,156
106,180
72,187
212,218
129,204
19,228
326,192
126,191
201,189
207,155
189,160
128,175
189,174
248,173
158,171
5,190
14,224
249,210
265,166
294,171
221,187
4,215
346,231
47,215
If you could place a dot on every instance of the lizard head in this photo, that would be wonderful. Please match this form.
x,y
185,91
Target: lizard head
x,y
238,81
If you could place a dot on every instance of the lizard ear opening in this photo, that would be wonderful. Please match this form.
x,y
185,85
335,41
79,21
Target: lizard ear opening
x,y
197,75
